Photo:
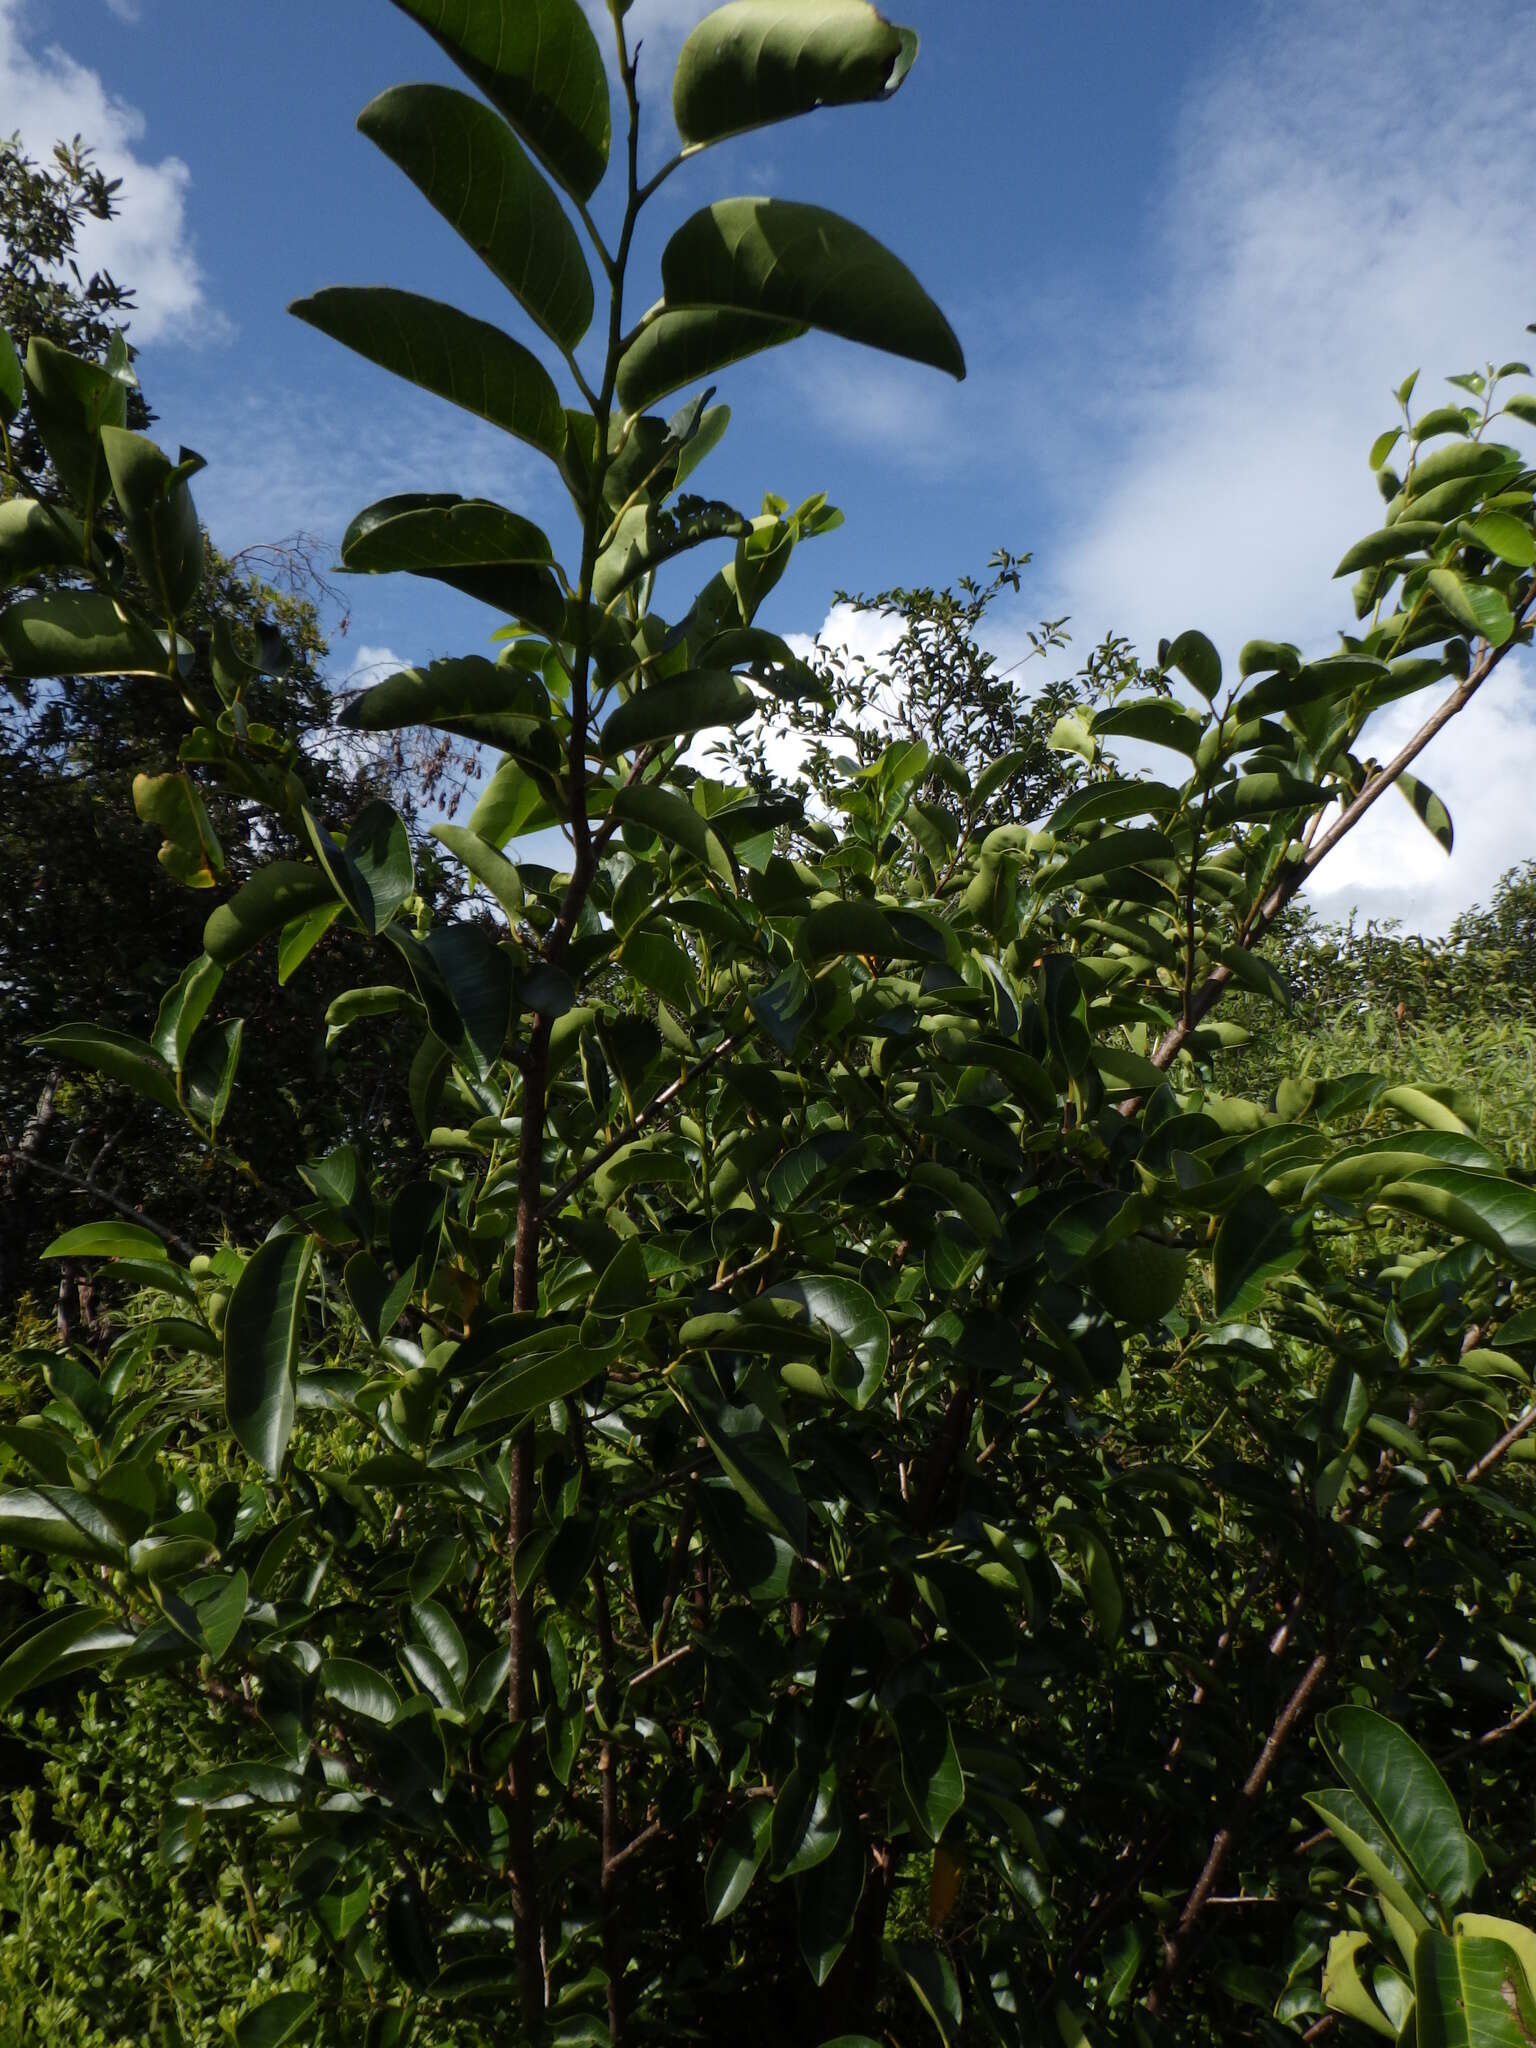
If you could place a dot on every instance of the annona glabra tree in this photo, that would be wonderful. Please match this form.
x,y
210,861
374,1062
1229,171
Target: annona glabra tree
x,y
820,1499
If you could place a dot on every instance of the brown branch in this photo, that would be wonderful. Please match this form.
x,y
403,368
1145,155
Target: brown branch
x,y
654,1112
1178,1944
1476,1471
1215,983
85,1185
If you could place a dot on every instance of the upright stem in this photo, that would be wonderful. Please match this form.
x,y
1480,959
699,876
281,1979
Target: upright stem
x,y
525,1293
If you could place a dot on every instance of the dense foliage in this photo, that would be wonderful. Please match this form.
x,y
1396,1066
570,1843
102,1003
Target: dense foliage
x,y
821,1490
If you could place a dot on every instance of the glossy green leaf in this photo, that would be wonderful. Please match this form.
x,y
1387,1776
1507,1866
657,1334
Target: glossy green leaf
x,y
1389,544
736,1858
1101,1574
675,820
676,707
1510,539
58,1522
1343,1990
261,1341
490,868
674,348
1256,1243
116,1056
12,389
70,401
848,1312
1470,1992
78,633
511,803
660,964
790,261
1477,607
1431,813
273,897
540,64
1154,719
438,534
465,981
372,872
56,1644
449,353
807,1820
1408,1798
159,518
1193,655
1110,854
1483,1207
755,61
467,162
35,536
930,1766
191,850
276,2021
748,1451
931,1975
106,1241
828,1897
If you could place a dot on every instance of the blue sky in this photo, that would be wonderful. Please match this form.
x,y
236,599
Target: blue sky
x,y
1188,248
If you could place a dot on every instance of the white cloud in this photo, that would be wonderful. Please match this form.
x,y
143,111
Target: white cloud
x,y
125,10
1331,224
50,97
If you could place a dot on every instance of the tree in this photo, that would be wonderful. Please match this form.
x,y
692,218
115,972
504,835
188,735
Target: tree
x,y
90,924
830,1506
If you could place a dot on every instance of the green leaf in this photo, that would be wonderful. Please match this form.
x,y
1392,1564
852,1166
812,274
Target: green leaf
x,y
1110,854
1257,1241
1409,1800
539,63
1342,1989
748,1452
462,694
276,2021
159,517
807,1820
828,1898
54,1645
848,1312
755,61
1460,459
660,964
1065,1008
1106,1595
736,1858
78,633
273,897
1477,607
534,1383
299,939
360,1688
932,1977
490,868
35,536
58,1522
674,348
373,873
1383,445
70,401
106,1241
680,705
261,1343
930,1766
1389,544
12,390
191,851
1501,534
466,981
674,819
1155,720
440,534
511,803
1432,814
1261,794
1470,1992
115,1055
1197,661
449,353
1482,1207
468,164
790,261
